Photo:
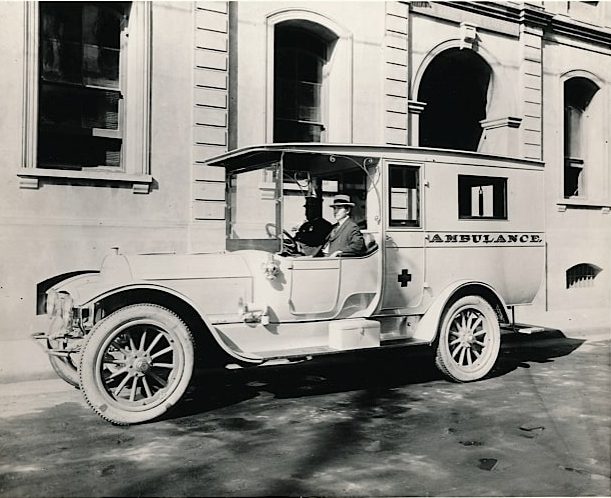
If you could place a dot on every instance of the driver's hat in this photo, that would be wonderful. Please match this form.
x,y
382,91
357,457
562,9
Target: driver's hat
x,y
312,200
342,200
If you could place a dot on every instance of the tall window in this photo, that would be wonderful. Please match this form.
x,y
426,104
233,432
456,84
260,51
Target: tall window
x,y
299,59
578,94
81,72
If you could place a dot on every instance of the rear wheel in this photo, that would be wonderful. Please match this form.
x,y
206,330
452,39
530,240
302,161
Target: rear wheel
x,y
469,339
136,364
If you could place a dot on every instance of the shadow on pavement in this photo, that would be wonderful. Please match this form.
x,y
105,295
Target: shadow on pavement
x,y
372,371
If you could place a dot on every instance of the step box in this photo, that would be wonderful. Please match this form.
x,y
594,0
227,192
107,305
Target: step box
x,y
354,334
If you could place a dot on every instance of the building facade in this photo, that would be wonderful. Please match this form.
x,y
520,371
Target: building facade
x,y
111,110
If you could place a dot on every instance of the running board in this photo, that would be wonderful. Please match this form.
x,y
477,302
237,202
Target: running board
x,y
303,354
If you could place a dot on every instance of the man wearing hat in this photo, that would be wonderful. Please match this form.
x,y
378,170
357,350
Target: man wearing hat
x,y
312,234
345,239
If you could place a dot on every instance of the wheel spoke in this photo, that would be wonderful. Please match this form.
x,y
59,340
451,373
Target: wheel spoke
x,y
154,343
132,345
469,358
113,361
476,353
479,332
476,324
163,365
482,344
463,321
163,351
117,373
471,317
119,348
142,340
454,341
462,355
132,395
147,389
457,350
121,385
161,381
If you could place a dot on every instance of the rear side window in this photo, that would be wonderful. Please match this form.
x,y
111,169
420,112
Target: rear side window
x,y
404,199
482,197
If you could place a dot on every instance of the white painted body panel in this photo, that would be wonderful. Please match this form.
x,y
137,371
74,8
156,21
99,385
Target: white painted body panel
x,y
436,258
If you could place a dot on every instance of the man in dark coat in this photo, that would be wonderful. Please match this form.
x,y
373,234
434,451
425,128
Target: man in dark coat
x,y
312,234
346,238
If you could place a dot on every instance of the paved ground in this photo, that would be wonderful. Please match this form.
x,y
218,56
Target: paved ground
x,y
385,425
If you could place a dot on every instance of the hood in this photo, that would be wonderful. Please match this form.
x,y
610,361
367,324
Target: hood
x,y
177,266
181,271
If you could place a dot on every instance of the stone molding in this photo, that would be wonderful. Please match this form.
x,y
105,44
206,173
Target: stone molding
x,y
508,122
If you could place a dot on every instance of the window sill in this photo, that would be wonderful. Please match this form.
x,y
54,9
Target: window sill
x,y
562,204
29,178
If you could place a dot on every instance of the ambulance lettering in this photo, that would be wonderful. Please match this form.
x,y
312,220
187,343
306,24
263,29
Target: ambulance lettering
x,y
488,238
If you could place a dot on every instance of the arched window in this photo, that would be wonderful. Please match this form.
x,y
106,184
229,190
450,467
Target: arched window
x,y
578,123
581,275
454,87
300,55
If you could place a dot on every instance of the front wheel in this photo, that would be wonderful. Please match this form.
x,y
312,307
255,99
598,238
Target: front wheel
x,y
469,339
136,364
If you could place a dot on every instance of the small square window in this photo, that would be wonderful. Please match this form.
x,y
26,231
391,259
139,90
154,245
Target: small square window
x,y
482,197
404,198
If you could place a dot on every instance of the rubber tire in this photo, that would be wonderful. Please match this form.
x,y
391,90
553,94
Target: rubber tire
x,y
444,361
99,400
66,370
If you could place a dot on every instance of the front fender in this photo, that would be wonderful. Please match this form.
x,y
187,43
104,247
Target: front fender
x,y
186,301
428,326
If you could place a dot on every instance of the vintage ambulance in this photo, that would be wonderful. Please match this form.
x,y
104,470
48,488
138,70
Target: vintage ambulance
x,y
454,240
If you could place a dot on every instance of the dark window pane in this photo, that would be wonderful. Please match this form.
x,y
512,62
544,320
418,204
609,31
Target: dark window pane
x,y
61,61
100,66
102,25
78,107
482,197
60,150
294,131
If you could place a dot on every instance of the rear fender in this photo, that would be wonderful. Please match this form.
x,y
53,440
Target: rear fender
x,y
428,326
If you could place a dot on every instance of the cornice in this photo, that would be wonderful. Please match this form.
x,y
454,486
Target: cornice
x,y
536,17
569,27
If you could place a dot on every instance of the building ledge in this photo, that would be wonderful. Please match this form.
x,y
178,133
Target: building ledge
x,y
562,204
29,178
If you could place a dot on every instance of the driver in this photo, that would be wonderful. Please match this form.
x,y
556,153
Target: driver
x,y
345,239
312,234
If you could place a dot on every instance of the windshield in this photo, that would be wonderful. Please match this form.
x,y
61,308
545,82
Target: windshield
x,y
253,218
268,203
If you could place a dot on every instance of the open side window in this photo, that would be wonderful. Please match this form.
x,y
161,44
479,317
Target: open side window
x,y
404,196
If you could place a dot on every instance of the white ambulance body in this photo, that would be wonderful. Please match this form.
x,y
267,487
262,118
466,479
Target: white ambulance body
x,y
453,239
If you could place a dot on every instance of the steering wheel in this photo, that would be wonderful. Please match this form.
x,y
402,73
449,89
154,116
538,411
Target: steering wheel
x,y
289,243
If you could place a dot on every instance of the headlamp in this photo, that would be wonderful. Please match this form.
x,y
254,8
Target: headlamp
x,y
52,298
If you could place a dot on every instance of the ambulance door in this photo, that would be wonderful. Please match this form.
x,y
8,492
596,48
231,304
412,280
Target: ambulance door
x,y
404,240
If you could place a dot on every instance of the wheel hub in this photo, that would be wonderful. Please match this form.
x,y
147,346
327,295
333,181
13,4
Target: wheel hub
x,y
141,365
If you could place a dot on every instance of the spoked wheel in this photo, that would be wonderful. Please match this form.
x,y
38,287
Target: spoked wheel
x,y
136,364
469,339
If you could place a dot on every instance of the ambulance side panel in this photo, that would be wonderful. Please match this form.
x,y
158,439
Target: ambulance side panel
x,y
467,238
